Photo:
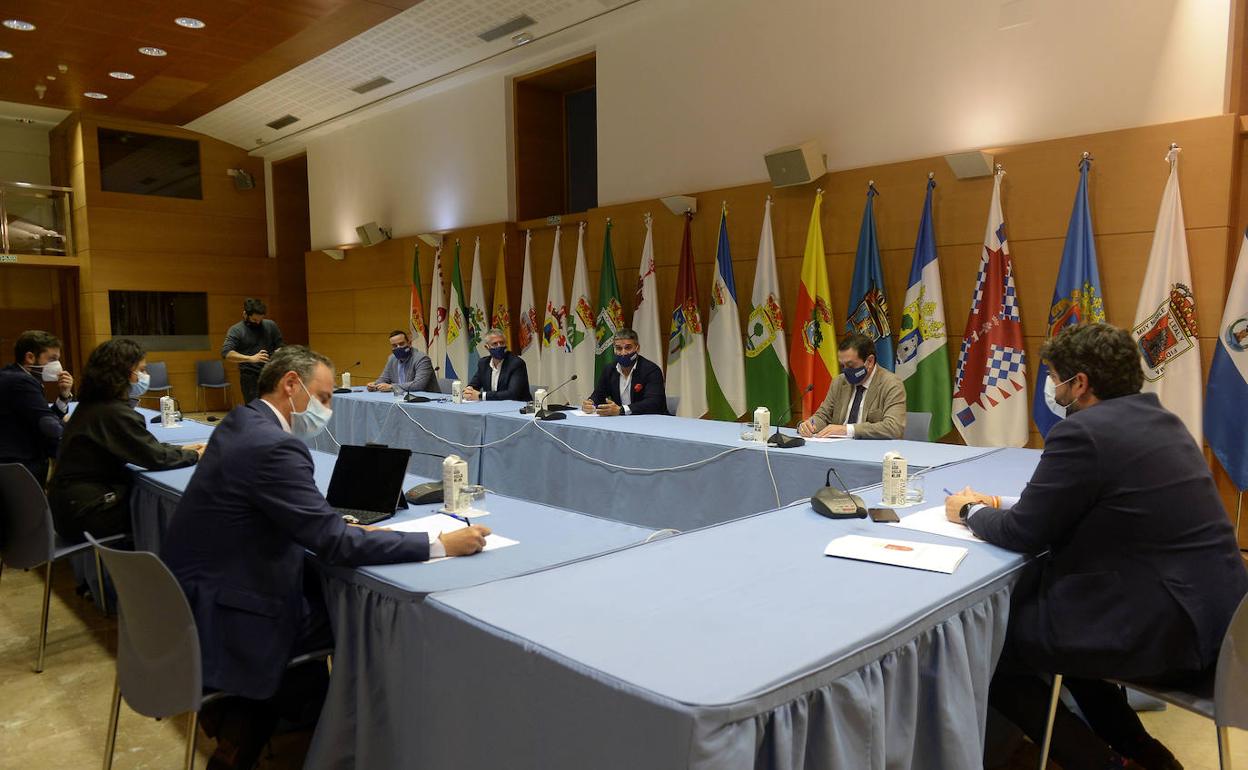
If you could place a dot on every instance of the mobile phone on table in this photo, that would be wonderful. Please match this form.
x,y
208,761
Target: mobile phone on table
x,y
883,515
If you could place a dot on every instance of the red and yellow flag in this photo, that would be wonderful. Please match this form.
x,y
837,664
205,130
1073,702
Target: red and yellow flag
x,y
813,357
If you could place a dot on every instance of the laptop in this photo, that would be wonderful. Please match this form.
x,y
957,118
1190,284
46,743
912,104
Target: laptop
x,y
367,485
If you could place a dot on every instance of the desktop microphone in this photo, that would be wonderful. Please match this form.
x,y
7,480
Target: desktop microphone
x,y
550,414
408,398
837,503
346,390
779,440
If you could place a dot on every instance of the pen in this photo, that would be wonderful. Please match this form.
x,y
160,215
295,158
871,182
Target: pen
x,y
464,519
947,492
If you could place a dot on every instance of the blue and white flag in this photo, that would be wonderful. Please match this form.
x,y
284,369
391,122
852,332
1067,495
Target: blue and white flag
x,y
1077,297
868,308
1228,380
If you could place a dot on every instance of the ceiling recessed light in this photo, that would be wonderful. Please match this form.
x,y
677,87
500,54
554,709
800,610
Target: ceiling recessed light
x,y
19,25
121,75
95,95
189,23
50,77
5,55
151,50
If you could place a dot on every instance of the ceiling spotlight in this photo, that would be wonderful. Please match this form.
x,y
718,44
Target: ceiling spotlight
x,y
95,95
5,55
151,50
19,25
25,121
121,75
50,77
522,38
189,23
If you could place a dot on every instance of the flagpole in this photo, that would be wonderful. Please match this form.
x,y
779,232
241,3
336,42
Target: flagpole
x,y
1239,510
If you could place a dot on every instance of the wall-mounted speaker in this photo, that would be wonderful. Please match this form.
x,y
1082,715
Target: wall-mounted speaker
x,y
970,165
799,164
242,180
371,234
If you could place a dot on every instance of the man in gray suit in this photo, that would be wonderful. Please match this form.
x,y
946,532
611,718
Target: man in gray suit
x,y
407,369
866,401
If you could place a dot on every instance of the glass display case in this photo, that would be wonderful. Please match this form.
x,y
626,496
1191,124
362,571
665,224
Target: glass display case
x,y
35,219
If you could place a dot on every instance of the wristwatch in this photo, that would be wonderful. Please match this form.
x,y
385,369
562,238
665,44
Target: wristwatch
x,y
964,511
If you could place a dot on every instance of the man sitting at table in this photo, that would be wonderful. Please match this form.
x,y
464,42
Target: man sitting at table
x,y
30,429
237,545
633,386
502,376
866,401
1139,572
407,369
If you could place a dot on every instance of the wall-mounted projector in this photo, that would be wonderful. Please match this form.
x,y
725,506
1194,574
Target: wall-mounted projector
x,y
371,234
799,164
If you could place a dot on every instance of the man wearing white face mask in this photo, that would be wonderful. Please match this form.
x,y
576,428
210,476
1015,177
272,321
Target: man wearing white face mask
x,y
239,538
1137,574
30,430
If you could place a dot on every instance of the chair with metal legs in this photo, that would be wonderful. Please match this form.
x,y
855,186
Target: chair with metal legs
x,y
1223,698
29,539
159,671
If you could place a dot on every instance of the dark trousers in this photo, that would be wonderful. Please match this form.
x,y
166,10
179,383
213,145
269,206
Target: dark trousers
x,y
249,379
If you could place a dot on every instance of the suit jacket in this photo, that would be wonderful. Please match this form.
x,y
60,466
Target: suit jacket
x,y
1142,573
513,380
882,413
414,376
648,396
30,430
236,544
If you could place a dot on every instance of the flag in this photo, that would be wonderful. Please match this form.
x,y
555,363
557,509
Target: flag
x,y
1228,380
500,317
530,339
437,318
814,337
766,354
478,324
646,306
990,389
461,358
416,309
686,352
1165,318
556,363
581,324
922,344
725,381
610,316
868,307
1077,297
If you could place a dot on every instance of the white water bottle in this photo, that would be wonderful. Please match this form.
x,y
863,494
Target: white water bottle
x,y
894,479
762,424
168,412
454,477
457,391
539,399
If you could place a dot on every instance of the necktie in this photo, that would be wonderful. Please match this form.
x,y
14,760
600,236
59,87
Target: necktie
x,y
856,405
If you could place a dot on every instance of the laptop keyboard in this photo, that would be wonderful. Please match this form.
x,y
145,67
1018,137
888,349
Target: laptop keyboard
x,y
354,516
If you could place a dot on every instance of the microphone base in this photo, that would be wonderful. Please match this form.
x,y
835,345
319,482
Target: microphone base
x,y
781,441
528,409
410,399
547,415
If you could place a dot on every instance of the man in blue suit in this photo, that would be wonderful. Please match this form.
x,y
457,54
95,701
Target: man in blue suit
x,y
237,546
1138,573
633,386
502,376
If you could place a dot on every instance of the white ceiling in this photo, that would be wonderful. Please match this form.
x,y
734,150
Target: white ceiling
x,y
429,40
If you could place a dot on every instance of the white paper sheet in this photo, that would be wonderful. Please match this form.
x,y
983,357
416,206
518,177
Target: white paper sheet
x,y
899,553
827,438
438,523
933,520
580,413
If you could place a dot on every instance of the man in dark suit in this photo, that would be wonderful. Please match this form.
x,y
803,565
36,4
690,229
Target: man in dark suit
x,y
633,386
30,429
502,376
1142,572
237,546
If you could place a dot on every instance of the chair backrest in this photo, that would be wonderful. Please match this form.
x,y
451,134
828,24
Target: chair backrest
x,y
159,374
158,662
1230,687
210,372
444,385
25,519
672,403
917,424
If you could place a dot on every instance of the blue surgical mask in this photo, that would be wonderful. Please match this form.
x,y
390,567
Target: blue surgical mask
x,y
139,388
625,361
1050,397
403,353
312,420
499,352
855,376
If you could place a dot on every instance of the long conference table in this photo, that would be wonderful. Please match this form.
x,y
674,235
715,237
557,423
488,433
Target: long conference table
x,y
734,645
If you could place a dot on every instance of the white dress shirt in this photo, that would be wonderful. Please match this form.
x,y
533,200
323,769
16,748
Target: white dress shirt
x,y
626,387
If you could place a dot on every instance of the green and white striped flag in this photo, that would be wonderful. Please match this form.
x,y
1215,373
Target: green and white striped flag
x,y
766,354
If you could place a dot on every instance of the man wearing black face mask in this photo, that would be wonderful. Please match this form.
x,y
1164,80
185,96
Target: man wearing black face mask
x,y
407,369
866,401
633,386
502,376
30,430
250,342
1138,572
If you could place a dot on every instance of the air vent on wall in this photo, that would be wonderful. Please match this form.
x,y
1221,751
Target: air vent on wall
x,y
507,28
282,122
376,82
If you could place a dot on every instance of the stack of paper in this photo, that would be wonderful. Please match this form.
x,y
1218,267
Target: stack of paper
x,y
899,553
933,520
438,523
